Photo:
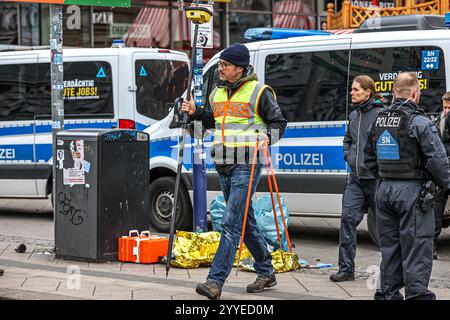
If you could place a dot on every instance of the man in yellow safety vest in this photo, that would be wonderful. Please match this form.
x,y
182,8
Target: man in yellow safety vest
x,y
242,108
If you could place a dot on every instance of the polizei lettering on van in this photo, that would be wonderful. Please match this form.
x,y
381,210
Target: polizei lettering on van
x,y
388,122
301,159
7,154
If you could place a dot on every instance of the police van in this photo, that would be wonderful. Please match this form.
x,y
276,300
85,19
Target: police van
x,y
103,88
311,76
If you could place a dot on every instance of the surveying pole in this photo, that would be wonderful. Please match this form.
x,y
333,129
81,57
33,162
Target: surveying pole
x,y
198,15
199,155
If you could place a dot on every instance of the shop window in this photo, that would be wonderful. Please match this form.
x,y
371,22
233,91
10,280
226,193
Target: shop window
x,y
159,83
16,83
8,24
240,22
29,24
150,27
384,64
88,90
254,5
293,14
310,86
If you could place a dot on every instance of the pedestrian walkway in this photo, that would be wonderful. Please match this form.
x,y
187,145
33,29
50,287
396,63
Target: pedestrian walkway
x,y
38,275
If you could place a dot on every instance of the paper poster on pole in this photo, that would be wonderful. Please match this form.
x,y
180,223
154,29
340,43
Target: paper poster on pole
x,y
205,31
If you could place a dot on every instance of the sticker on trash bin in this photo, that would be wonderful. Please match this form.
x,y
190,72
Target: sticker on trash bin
x,y
60,155
87,166
60,158
75,175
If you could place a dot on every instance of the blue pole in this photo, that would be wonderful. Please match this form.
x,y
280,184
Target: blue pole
x,y
199,167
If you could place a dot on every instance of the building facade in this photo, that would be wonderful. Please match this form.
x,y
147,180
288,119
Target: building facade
x,y
153,23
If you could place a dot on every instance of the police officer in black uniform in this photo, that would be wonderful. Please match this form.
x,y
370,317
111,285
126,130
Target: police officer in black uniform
x,y
408,154
439,206
360,187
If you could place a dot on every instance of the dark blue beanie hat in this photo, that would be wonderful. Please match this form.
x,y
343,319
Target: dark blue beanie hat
x,y
237,54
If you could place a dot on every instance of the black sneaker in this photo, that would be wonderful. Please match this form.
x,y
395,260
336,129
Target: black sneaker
x,y
261,283
2,272
435,257
342,276
209,289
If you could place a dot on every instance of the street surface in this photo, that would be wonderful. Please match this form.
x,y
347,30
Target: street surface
x,y
316,240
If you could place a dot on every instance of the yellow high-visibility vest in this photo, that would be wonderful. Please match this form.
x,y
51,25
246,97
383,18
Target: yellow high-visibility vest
x,y
236,119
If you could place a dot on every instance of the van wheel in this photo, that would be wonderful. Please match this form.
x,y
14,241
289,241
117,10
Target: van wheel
x,y
372,226
161,203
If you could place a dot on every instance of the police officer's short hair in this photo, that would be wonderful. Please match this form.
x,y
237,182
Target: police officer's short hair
x,y
405,83
446,96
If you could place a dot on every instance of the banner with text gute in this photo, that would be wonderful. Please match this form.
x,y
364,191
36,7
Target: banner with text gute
x,y
107,3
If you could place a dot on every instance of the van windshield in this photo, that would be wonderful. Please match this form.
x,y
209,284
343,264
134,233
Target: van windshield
x,y
159,83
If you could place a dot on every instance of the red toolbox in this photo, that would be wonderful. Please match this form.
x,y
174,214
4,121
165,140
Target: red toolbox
x,y
129,246
153,248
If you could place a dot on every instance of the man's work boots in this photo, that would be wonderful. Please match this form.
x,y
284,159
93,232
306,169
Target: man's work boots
x,y
261,283
342,276
209,289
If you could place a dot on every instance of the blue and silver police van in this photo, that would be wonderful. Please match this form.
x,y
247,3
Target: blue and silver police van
x,y
103,88
311,76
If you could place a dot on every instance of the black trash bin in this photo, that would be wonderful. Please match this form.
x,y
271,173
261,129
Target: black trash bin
x,y
102,188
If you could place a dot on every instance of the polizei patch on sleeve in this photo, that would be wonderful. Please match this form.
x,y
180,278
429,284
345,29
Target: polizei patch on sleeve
x,y
388,122
387,147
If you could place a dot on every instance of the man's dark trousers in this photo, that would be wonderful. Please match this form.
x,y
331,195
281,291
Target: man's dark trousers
x,y
358,196
406,241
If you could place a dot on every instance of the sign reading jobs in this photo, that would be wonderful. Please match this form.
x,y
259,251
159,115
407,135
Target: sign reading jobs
x,y
80,90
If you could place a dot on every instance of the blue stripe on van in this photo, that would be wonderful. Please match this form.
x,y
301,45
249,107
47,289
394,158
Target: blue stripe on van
x,y
17,152
320,158
331,131
46,128
288,158
140,126
43,152
13,131
163,148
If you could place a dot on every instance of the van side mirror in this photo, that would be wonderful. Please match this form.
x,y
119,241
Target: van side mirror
x,y
177,114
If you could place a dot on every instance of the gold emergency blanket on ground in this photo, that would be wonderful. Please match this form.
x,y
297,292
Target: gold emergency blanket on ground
x,y
281,262
193,250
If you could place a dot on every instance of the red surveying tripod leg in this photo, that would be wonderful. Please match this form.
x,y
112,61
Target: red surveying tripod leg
x,y
274,207
247,203
272,172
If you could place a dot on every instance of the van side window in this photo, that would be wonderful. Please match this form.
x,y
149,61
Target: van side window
x,y
310,86
384,64
210,80
88,90
16,84
159,83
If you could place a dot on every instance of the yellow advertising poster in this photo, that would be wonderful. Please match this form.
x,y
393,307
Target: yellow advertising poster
x,y
80,90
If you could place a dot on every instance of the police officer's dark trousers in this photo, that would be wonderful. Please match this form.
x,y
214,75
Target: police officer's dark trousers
x,y
406,241
358,196
439,208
